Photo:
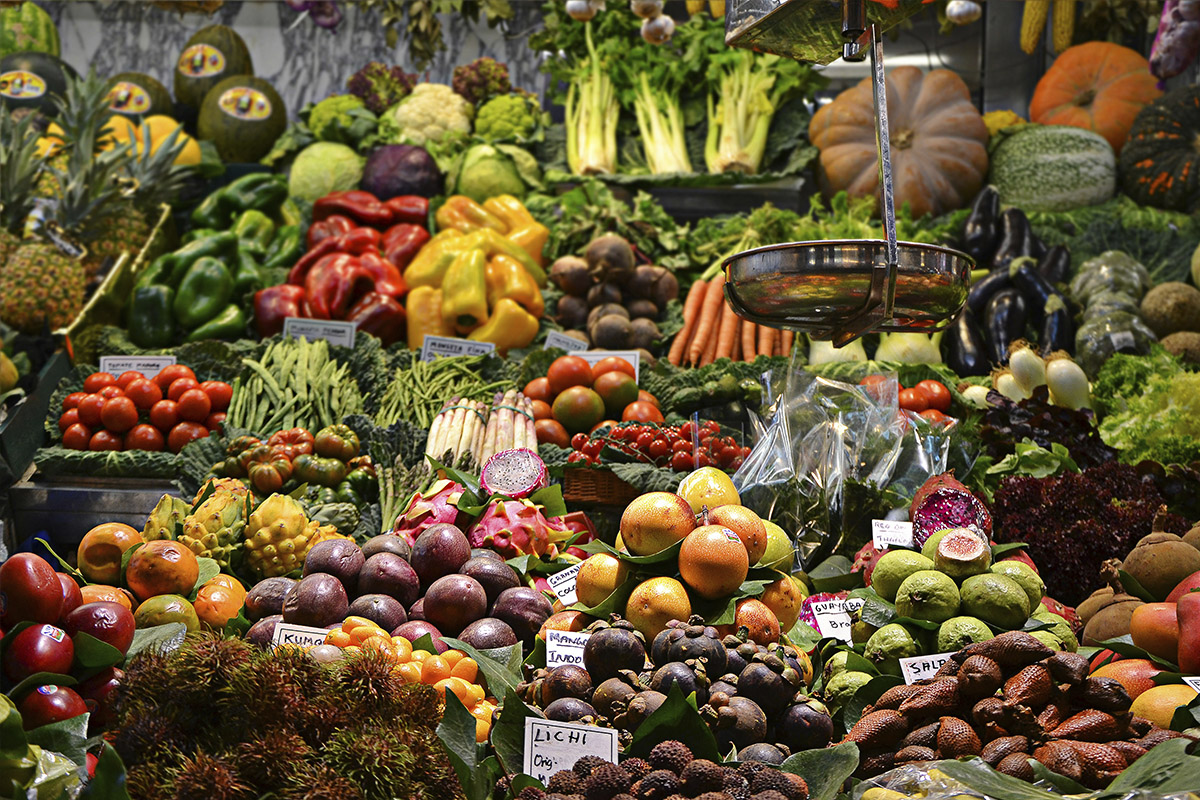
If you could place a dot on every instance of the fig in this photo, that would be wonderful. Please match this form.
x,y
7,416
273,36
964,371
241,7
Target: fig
x,y
263,631
441,549
340,558
387,543
569,709
493,575
266,598
415,629
454,601
316,600
388,573
385,611
488,633
524,609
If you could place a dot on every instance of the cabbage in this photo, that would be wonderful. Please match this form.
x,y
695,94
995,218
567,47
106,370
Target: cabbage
x,y
322,168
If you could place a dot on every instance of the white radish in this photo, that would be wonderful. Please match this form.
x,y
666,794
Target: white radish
x,y
1028,368
1068,384
976,396
1007,385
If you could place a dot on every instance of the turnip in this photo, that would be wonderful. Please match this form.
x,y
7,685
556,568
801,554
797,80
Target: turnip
x,y
1067,381
1028,368
580,10
646,9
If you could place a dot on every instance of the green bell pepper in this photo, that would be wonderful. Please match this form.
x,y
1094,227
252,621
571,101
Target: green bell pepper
x,y
254,230
286,248
263,191
229,323
248,276
205,289
347,494
159,271
290,214
220,245
362,481
197,233
151,316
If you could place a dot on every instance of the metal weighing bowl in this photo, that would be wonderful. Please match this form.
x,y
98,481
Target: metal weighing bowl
x,y
825,287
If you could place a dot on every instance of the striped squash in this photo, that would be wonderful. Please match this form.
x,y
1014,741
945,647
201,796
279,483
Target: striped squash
x,y
26,27
1052,168
1160,163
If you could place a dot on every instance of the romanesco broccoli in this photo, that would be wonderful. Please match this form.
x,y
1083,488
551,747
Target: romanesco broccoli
x,y
508,117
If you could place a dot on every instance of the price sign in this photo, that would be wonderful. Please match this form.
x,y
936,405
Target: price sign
x,y
562,583
1122,340
299,635
891,533
594,357
833,617
147,365
918,668
331,330
565,647
553,746
1193,682
440,346
563,342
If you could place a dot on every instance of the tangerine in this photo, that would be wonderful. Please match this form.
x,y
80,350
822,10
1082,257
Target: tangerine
x,y
713,562
101,550
98,592
161,567
216,604
656,602
599,575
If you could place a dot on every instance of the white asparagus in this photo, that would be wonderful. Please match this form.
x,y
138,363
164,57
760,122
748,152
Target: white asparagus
x,y
470,422
504,438
480,430
530,427
447,416
476,430
453,431
435,430
493,430
519,422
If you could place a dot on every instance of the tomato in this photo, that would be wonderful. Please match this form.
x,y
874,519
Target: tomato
x,y
144,437
183,433
646,397
936,393
577,456
193,405
727,455
69,418
568,371
641,412
129,376
77,437
106,440
682,461
172,373
659,447
686,430
552,432
643,441
119,414
706,460
97,381
604,423
538,389
109,392
578,440
873,380
89,410
214,421
541,410
219,393
179,386
144,393
164,415
611,364
934,417
681,446
72,400
913,400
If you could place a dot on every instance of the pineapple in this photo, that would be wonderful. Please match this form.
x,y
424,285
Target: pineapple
x,y
82,115
19,169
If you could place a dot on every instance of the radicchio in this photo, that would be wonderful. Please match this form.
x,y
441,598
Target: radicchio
x,y
434,505
943,502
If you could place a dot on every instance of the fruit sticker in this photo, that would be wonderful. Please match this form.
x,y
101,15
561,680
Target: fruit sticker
x,y
54,633
201,61
21,85
47,689
128,98
242,102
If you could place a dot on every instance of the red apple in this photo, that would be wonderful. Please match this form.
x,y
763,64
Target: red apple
x,y
29,589
109,622
47,704
98,693
38,648
72,597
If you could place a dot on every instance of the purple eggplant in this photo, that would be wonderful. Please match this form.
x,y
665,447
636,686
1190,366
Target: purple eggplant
x,y
1055,266
964,346
1003,323
981,232
1016,238
982,290
299,5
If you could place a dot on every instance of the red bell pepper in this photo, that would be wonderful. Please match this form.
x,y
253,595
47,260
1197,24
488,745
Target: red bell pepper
x,y
409,208
388,279
334,284
274,304
381,316
402,242
330,226
299,270
359,241
360,206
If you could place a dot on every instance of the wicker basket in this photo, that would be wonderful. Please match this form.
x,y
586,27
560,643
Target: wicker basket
x,y
596,487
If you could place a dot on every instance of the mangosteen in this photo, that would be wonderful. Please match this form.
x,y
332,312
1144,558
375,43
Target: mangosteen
x,y
658,646
613,647
641,706
566,680
615,691
762,752
689,676
806,725
698,641
740,723
763,682
726,685
569,709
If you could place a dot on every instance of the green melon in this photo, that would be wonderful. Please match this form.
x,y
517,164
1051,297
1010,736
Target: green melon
x,y
209,57
26,27
1052,168
30,79
137,95
242,116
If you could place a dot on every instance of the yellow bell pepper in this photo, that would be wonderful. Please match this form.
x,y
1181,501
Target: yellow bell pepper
x,y
464,292
507,278
494,244
523,229
463,214
429,266
424,307
509,326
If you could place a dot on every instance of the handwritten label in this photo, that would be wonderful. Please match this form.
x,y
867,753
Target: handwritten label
x,y
891,533
1193,682
565,647
594,357
552,746
439,346
833,617
1122,340
562,583
331,330
563,342
298,635
918,668
147,365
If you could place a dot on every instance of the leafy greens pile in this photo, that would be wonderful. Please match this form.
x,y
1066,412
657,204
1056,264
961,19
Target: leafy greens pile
x,y
1153,408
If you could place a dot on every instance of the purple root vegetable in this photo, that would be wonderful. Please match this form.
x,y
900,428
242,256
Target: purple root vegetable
x,y
1178,38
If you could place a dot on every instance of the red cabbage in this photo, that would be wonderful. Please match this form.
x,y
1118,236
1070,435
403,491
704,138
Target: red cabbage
x,y
401,169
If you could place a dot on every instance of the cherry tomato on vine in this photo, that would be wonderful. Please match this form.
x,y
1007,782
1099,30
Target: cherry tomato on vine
x,y
681,461
934,417
578,441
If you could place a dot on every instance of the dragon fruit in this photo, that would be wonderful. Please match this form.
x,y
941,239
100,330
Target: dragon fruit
x,y
429,507
516,528
1066,612
807,615
514,473
943,502
866,559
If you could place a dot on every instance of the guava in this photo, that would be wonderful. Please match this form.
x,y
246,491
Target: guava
x,y
888,645
961,554
958,632
997,599
1024,575
928,595
1058,628
893,567
841,687
835,665
1049,639
929,549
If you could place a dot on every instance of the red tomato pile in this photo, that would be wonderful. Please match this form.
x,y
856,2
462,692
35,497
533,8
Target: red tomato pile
x,y
930,399
133,412
663,445
576,397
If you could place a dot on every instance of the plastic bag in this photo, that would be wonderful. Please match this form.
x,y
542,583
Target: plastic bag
x,y
1110,271
1118,332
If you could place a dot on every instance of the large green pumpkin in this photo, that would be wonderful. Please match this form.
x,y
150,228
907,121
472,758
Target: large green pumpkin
x,y
1160,163
26,27
243,116
209,57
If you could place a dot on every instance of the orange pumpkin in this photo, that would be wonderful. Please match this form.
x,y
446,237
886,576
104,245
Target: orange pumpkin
x,y
1099,86
939,141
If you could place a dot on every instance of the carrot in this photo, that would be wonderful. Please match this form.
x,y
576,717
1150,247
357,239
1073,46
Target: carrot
x,y
737,340
706,323
748,340
788,338
691,307
765,338
710,351
727,331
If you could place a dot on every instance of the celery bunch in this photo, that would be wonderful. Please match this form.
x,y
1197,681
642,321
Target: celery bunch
x,y
591,115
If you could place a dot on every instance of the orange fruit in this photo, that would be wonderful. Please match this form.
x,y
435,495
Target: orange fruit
x,y
215,605
352,622
410,671
565,621
656,602
1135,674
364,633
746,524
784,599
162,567
101,549
1155,628
433,669
655,521
759,619
98,592
600,574
461,689
229,582
466,668
1159,703
713,561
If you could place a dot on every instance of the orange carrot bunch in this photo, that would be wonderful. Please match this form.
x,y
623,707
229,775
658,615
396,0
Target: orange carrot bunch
x,y
712,330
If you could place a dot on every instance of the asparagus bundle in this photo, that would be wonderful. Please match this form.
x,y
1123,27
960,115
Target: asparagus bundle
x,y
510,425
456,432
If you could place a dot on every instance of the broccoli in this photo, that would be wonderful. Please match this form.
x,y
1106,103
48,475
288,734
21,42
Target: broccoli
x,y
508,117
480,80
331,113
381,86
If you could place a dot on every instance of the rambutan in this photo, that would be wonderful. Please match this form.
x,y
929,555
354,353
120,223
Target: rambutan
x,y
367,682
374,759
269,759
205,777
148,781
318,782
146,737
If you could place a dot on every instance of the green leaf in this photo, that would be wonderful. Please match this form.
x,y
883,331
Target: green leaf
x,y
550,498
875,611
1165,770
1123,645
824,770
500,665
678,719
537,656
108,782
834,575
18,692
1060,782
65,737
425,643
163,638
457,732
508,733
614,603
209,569
982,778
63,565
128,554
1134,587
999,551
12,736
94,655
669,555
1187,716
802,636
237,626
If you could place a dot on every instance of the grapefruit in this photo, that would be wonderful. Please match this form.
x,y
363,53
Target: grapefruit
x,y
713,561
746,524
655,521
656,602
708,486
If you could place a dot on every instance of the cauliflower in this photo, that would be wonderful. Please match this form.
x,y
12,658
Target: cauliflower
x,y
431,113
508,117
332,112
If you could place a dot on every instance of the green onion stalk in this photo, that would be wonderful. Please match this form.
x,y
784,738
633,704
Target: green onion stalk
x,y
739,119
592,112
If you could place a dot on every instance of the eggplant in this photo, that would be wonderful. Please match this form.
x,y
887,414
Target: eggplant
x,y
1055,266
964,346
1016,238
1034,289
1003,323
1058,330
981,233
982,290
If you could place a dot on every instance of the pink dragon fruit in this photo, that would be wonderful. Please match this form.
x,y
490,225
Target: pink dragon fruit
x,y
866,559
434,505
943,502
1023,557
514,528
514,473
577,522
807,615
1066,612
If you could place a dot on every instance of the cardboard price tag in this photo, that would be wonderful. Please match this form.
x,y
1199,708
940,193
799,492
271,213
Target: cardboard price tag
x,y
147,365
562,583
563,342
833,617
331,330
891,533
565,647
439,346
553,746
918,668
594,357
299,635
